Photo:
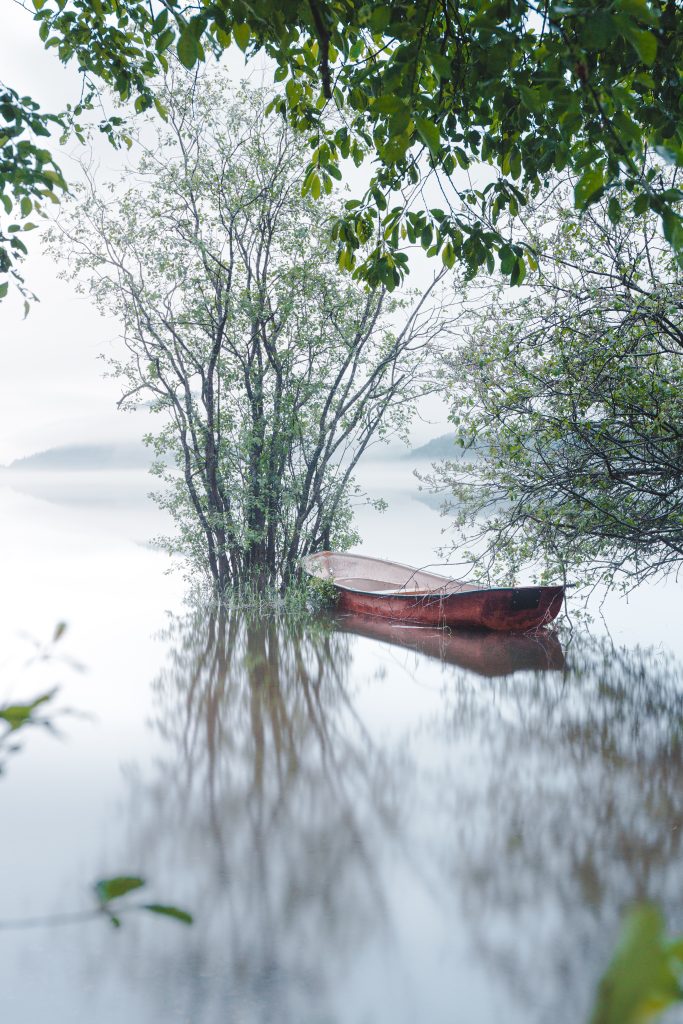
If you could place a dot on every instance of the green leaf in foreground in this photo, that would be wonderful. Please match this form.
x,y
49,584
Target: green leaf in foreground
x,y
640,982
16,715
588,188
188,50
168,911
429,133
241,35
60,630
644,43
111,888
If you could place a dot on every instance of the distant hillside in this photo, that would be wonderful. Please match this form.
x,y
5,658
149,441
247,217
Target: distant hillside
x,y
77,457
443,447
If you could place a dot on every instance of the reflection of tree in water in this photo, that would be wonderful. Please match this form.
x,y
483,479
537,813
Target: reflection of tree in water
x,y
572,807
275,791
536,805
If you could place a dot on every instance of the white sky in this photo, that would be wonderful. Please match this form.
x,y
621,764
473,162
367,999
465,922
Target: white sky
x,y
51,386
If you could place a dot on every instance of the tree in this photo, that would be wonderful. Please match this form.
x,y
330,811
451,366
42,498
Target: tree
x,y
427,88
572,398
271,373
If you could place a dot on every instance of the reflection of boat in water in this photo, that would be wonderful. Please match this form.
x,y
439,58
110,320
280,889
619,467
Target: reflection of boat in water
x,y
486,653
389,590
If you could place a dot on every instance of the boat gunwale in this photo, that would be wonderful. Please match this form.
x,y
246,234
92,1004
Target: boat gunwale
x,y
438,596
400,565
419,595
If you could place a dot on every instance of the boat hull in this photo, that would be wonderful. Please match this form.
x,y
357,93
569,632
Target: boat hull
x,y
400,593
485,609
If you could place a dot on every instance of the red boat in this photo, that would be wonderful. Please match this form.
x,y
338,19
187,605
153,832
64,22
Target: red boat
x,y
389,590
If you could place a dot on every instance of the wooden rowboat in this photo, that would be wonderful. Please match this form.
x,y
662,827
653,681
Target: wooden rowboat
x,y
389,590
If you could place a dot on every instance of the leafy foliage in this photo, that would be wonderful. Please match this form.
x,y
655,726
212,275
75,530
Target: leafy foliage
x,y
28,177
644,977
16,716
270,372
572,399
109,892
37,712
108,889
528,88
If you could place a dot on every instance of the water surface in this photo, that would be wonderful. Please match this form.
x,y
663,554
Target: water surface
x,y
369,823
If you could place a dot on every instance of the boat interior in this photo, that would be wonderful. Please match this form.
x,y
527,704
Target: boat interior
x,y
373,575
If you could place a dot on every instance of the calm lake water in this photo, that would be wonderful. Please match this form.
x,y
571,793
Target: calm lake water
x,y
371,824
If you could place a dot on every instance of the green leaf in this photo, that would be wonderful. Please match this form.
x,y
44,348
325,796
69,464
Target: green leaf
x,y
60,630
188,49
441,64
17,715
293,92
673,228
643,42
641,205
160,22
167,911
588,187
387,104
614,210
639,9
111,888
429,133
3,289
518,271
640,982
508,260
380,18
530,98
599,31
164,40
241,34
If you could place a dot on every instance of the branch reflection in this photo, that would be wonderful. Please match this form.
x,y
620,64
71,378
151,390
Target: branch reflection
x,y
273,787
571,811
501,798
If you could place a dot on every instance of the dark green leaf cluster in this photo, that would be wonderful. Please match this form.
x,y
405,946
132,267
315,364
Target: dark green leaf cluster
x,y
429,89
28,175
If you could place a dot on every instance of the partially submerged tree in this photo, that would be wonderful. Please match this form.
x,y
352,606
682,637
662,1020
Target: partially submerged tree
x,y
271,373
572,398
